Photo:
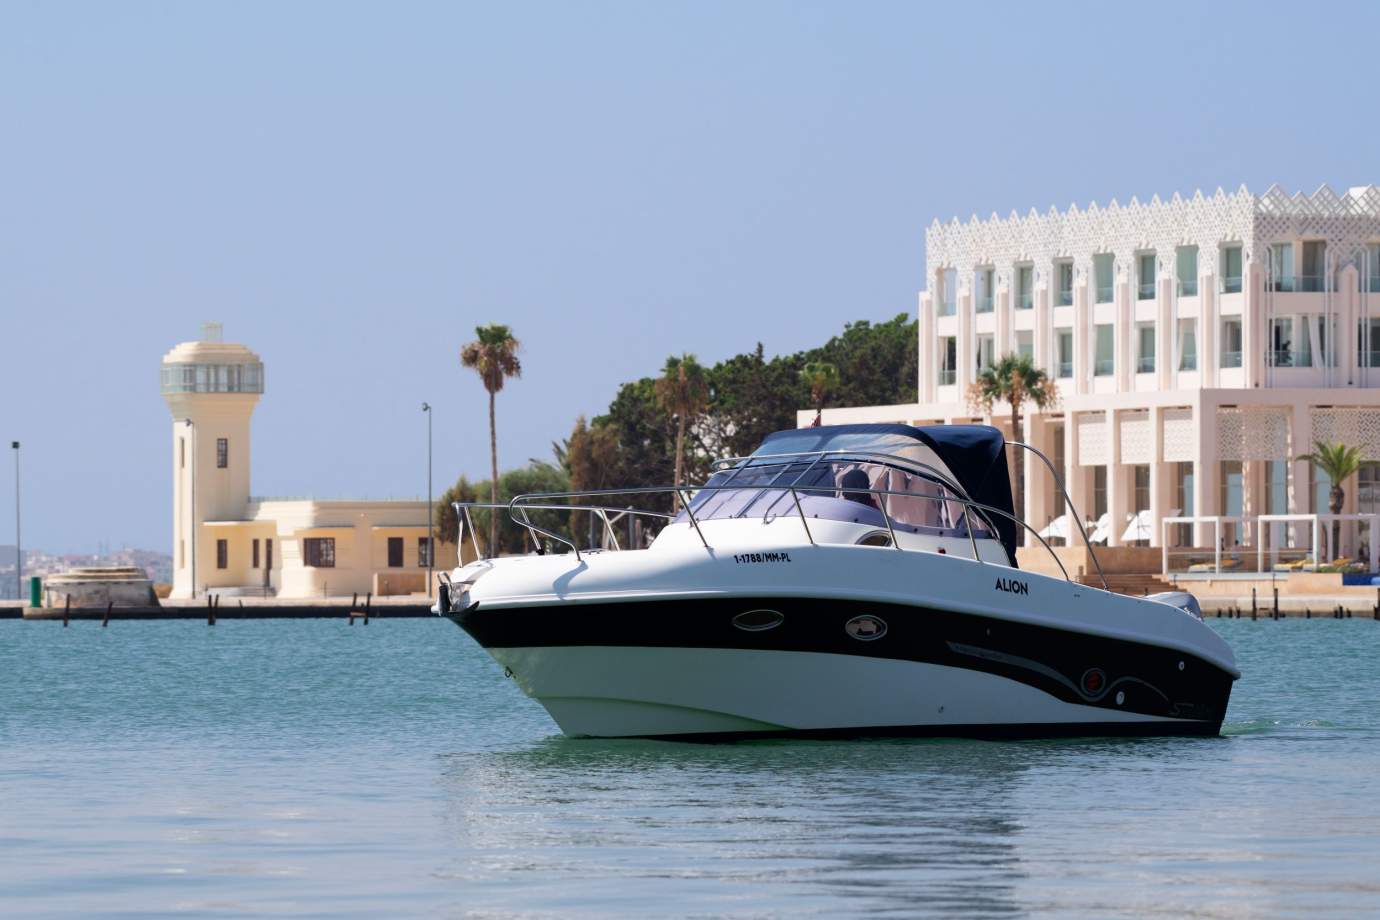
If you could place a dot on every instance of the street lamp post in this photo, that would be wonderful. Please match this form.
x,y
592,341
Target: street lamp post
x,y
18,543
430,543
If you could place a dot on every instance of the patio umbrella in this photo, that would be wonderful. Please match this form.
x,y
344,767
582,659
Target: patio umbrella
x,y
1103,530
1139,528
1059,527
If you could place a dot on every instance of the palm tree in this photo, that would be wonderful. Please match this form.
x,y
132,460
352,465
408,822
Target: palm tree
x,y
1338,463
494,357
682,391
822,378
1014,380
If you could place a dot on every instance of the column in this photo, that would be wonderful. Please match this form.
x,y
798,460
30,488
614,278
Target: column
x,y
1166,358
1074,480
1159,478
966,370
1204,467
1208,326
1118,490
1082,341
1253,333
929,369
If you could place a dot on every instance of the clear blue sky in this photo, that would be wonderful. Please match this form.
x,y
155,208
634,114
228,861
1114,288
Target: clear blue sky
x,y
350,188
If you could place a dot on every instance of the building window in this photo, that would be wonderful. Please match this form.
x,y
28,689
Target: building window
x,y
222,554
1367,502
985,283
1282,342
1063,273
1025,287
1231,341
1145,350
1371,267
986,351
948,292
319,552
1230,484
1099,491
395,552
1183,497
1231,270
1145,276
1281,266
1065,339
424,552
1314,266
1368,347
1103,274
1104,363
1140,492
222,453
1188,344
1186,267
948,359
1276,487
254,553
1025,344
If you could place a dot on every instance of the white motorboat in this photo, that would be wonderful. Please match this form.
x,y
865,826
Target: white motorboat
x,y
841,580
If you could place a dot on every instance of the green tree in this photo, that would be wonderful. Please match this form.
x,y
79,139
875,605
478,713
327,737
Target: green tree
x,y
683,392
877,364
1014,380
493,355
822,378
446,520
1339,463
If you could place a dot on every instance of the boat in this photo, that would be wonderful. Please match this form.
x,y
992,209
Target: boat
x,y
842,580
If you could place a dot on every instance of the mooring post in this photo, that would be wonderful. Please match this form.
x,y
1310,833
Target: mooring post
x,y
105,621
354,600
67,610
1276,590
368,602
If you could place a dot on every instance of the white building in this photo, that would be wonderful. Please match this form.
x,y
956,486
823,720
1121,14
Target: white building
x,y
224,538
1198,345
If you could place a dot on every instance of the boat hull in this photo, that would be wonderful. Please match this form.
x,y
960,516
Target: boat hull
x,y
749,666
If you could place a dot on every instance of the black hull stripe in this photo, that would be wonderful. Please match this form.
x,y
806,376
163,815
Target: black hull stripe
x,y
1074,667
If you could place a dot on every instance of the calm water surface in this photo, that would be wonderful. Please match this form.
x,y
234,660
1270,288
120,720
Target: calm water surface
x,y
309,768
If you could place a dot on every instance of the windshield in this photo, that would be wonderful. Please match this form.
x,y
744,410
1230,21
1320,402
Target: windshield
x,y
836,489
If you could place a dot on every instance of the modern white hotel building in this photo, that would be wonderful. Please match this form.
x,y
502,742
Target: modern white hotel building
x,y
1199,346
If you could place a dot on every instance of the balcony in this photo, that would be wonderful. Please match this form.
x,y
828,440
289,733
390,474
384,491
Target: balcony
x,y
1281,357
1103,367
1065,370
1311,283
946,308
1145,364
1145,290
984,304
1374,358
1188,288
1104,293
1231,285
1188,362
1374,286
946,376
1025,300
1231,359
1064,298
1282,284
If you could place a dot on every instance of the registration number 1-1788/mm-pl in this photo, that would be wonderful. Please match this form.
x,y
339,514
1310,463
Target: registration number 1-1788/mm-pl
x,y
761,557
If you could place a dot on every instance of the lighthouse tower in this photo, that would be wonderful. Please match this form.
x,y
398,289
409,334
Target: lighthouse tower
x,y
211,387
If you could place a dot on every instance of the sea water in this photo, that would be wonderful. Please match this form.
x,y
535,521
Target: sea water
x,y
311,768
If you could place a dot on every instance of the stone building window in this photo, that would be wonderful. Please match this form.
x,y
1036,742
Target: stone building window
x,y
319,552
1231,270
222,554
1145,276
1103,276
395,552
222,453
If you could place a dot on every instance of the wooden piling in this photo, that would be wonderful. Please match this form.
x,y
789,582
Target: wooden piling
x,y
1276,590
67,611
368,602
105,621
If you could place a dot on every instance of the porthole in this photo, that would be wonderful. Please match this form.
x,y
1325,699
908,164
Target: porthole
x,y
875,538
758,620
865,628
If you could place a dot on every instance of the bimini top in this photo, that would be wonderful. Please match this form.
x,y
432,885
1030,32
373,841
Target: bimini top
x,y
973,456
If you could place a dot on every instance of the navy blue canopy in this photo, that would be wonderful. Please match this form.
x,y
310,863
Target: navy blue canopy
x,y
975,456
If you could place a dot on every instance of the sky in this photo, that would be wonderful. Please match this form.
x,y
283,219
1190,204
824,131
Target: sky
x,y
350,188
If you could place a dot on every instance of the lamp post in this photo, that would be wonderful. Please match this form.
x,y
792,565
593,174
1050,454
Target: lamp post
x,y
192,515
430,543
18,543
